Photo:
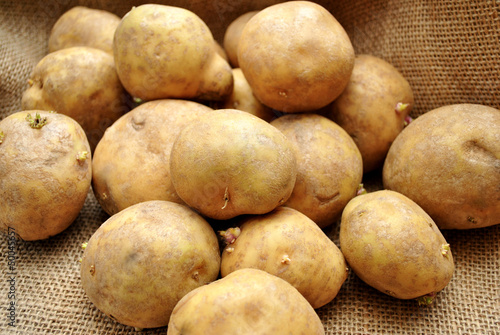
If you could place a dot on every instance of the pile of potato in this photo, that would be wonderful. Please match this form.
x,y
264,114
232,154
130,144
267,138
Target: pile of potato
x,y
220,165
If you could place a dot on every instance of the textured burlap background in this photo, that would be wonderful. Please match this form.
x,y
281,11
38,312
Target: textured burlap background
x,y
448,50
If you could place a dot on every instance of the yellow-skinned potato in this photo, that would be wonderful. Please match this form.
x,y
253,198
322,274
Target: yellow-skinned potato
x,y
448,161
246,302
289,245
83,26
143,260
329,166
45,173
232,36
131,163
373,108
296,56
395,247
177,57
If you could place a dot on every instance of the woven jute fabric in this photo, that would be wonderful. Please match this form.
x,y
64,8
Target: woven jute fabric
x,y
450,53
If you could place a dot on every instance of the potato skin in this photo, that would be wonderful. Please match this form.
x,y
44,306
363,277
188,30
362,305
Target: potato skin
x,y
43,184
448,162
232,36
394,246
144,259
246,302
289,245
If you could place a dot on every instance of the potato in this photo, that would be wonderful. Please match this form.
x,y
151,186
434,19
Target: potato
x,y
289,245
373,108
448,162
80,82
45,173
232,36
177,57
296,56
229,162
144,259
131,163
220,50
83,26
395,247
246,302
329,166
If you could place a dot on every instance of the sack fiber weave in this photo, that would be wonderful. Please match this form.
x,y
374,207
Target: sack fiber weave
x,y
448,50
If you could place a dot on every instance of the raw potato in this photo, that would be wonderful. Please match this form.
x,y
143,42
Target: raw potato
x,y
45,173
177,57
83,26
80,82
144,259
329,166
395,247
232,36
373,108
289,245
229,162
448,162
131,163
296,56
246,302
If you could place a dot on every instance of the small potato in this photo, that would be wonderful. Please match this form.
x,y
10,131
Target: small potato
x,y
289,245
246,302
83,26
329,166
373,108
45,173
395,247
131,163
232,36
448,162
143,260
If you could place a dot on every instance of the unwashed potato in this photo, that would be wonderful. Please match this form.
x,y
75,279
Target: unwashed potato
x,y
83,26
45,173
395,247
448,162
329,166
232,36
373,108
143,260
296,56
289,245
246,302
228,162
131,163
80,82
177,57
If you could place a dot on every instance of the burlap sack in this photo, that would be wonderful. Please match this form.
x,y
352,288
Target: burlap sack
x,y
448,50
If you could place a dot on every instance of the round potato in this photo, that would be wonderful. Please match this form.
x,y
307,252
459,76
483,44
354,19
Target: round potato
x,y
83,26
296,56
289,245
131,163
45,173
246,302
143,260
229,162
373,108
177,57
80,82
395,247
329,166
448,162
232,36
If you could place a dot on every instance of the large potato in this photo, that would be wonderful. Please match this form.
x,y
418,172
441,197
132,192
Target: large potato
x,y
45,173
144,259
448,162
395,247
329,166
232,36
289,245
131,163
246,302
229,162
296,56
